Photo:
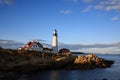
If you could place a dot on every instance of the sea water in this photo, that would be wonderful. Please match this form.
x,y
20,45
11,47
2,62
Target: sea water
x,y
111,73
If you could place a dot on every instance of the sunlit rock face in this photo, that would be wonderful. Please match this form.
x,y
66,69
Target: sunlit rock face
x,y
91,61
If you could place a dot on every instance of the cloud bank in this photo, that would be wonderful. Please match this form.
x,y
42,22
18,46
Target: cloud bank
x,y
112,48
10,44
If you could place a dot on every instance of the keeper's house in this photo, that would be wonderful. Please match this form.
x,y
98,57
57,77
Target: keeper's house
x,y
35,46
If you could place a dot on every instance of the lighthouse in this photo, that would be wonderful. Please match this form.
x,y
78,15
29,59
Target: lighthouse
x,y
55,42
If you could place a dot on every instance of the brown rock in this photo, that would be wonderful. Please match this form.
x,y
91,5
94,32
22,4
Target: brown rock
x,y
91,61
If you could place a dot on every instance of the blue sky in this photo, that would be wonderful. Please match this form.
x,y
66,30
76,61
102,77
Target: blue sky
x,y
77,21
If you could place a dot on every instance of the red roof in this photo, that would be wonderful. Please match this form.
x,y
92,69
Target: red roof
x,y
29,44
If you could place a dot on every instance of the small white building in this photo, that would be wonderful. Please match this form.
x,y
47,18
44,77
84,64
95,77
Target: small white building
x,y
36,46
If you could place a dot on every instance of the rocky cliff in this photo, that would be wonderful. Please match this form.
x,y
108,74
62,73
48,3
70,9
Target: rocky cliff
x,y
90,61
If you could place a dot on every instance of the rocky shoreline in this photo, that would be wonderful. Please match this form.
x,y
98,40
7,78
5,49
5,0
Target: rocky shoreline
x,y
14,63
90,61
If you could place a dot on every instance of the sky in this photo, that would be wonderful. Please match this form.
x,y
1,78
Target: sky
x,y
83,24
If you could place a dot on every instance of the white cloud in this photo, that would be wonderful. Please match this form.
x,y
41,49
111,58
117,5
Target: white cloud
x,y
75,1
0,1
88,1
116,18
7,2
71,1
87,9
100,7
110,5
108,8
106,5
117,7
65,12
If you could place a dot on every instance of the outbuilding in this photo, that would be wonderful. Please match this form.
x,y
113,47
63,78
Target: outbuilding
x,y
64,51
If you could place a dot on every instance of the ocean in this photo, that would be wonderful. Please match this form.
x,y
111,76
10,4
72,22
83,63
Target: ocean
x,y
112,73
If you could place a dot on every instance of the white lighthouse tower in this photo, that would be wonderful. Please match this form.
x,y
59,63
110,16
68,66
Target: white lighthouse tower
x,y
55,42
